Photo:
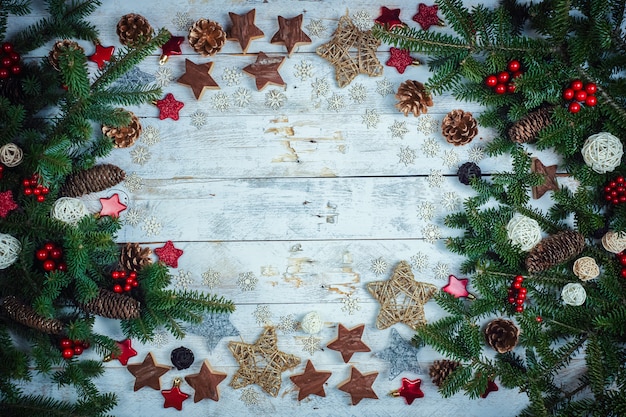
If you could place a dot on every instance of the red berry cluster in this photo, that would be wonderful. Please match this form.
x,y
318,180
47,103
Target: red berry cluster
x,y
71,348
517,294
32,187
615,191
578,93
51,258
130,281
9,61
621,257
502,82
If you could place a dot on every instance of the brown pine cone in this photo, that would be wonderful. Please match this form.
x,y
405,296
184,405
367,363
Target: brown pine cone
x,y
113,306
459,127
57,49
134,29
441,369
27,316
413,98
555,250
124,136
502,335
134,258
526,129
207,37
92,180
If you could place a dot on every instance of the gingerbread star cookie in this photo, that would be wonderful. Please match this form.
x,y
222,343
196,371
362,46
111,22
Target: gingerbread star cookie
x,y
290,33
205,383
310,382
265,70
198,77
243,29
148,373
349,341
359,386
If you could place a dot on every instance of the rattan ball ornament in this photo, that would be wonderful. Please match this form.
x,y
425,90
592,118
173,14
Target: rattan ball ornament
x,y
602,152
586,268
312,323
523,231
10,249
69,210
11,155
614,242
574,294
467,171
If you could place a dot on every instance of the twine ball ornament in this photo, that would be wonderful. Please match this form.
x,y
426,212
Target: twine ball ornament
x,y
614,242
574,294
69,210
10,249
312,323
586,268
523,231
467,171
602,152
11,155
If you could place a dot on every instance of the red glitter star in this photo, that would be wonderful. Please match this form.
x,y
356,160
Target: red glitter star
x,y
169,254
400,59
111,206
102,55
169,107
458,287
426,16
7,203
174,397
410,390
491,387
389,18
126,350
171,47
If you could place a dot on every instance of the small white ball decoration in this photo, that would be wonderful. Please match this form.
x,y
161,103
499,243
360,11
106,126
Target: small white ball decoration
x,y
11,155
602,152
10,249
312,323
574,294
69,210
523,231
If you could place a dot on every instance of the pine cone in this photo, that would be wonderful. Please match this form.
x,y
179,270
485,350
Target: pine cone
x,y
24,314
113,306
124,136
459,127
207,37
413,98
134,29
57,49
441,369
502,335
526,129
92,180
134,258
555,250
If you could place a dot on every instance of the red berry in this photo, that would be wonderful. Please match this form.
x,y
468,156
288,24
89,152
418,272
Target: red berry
x,y
519,278
49,246
41,254
4,73
15,57
581,95
6,62
619,179
500,89
67,353
511,300
591,88
514,65
28,191
519,309
117,288
56,253
16,69
37,191
33,181
623,273
510,88
504,77
66,343
45,190
539,319
133,275
135,284
49,265
62,266
568,94
78,349
41,198
574,107
491,81
85,344
517,74
517,285
519,301
115,274
129,281
7,47
577,85
591,101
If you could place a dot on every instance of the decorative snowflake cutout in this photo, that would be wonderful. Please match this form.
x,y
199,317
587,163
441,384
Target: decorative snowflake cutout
x,y
336,102
151,135
183,279
242,97
211,278
371,118
163,76
220,101
249,396
160,339
450,158
363,20
398,129
435,178
316,28
476,154
358,93
262,315
198,119
311,344
151,226
140,155
407,155
303,70
379,266
441,270
384,87
450,200
133,216
426,211
320,87
247,281
182,21
287,324
275,99
419,261
431,233
427,124
232,76
133,182
350,304
430,147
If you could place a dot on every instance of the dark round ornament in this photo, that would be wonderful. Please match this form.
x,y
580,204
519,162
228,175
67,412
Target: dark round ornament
x,y
467,171
182,358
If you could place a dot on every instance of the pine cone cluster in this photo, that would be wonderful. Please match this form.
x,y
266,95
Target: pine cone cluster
x,y
441,369
526,129
459,127
113,306
57,49
134,29
554,250
413,98
27,316
92,180
502,335
207,37
124,136
133,257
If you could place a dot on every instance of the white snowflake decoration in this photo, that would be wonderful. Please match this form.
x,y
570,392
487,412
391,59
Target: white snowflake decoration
x,y
363,20
133,216
320,87
163,76
384,87
476,154
151,135
303,70
450,201
350,304
311,344
220,101
431,233
183,279
379,266
407,155
133,182
275,99
262,315
198,119
427,124
247,281
430,147
371,118
151,226
140,155
182,21
398,129
419,261
232,76
287,324
242,97
160,338
336,102
358,93
450,158
316,28
426,211
211,278
441,270
435,178
249,396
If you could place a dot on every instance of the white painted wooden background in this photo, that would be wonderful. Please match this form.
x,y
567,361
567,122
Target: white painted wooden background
x,y
303,197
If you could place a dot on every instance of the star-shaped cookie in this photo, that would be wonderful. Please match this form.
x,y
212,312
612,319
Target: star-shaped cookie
x,y
311,382
549,174
243,29
198,77
359,386
290,33
205,383
265,70
148,373
348,341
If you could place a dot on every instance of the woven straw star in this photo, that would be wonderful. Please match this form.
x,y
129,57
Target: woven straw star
x,y
401,298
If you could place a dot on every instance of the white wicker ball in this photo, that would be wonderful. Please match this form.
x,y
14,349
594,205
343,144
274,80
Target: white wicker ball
x,y
11,155
574,294
10,249
602,152
614,242
523,231
586,268
312,323
69,210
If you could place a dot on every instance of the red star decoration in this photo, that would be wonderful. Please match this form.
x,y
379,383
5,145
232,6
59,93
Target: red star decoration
x,y
171,47
169,254
389,18
426,16
491,387
111,206
7,203
174,397
126,350
169,107
458,287
400,59
103,54
410,390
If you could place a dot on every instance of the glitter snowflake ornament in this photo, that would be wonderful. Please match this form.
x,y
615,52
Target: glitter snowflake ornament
x,y
316,28
398,129
220,101
150,135
163,76
419,261
183,279
320,87
426,211
384,87
262,315
427,124
431,233
133,182
311,344
249,396
232,76
371,118
182,21
242,97
441,270
336,102
450,158
140,155
363,20
287,324
151,226
379,266
303,70
198,119
211,278
358,93
407,155
475,154
247,281
133,216
435,178
450,200
350,304
430,147
160,339
275,99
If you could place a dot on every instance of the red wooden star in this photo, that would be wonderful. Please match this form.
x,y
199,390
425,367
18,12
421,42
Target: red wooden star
x,y
389,18
111,206
426,16
265,70
102,55
171,47
491,387
400,59
458,287
7,203
174,397
126,352
169,107
169,254
410,390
